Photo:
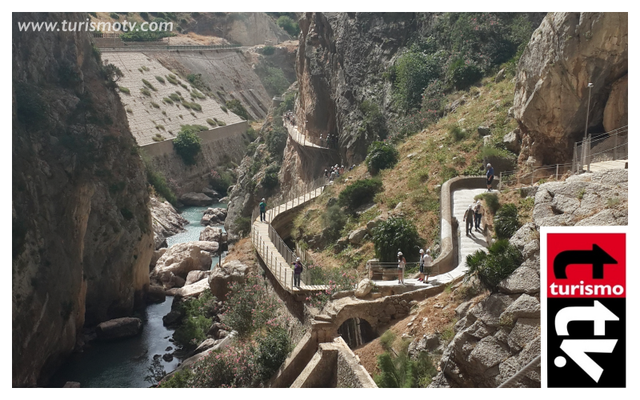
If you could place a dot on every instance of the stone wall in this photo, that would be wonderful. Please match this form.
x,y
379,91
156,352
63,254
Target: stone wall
x,y
219,146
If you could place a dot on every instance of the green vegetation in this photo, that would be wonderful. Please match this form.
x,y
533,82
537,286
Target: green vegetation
x,y
197,320
248,307
139,35
276,139
490,269
268,50
197,82
243,224
167,100
172,79
396,234
160,79
270,180
289,25
381,155
272,77
124,90
220,180
195,93
191,106
211,122
506,221
333,220
400,371
373,122
272,351
114,15
155,105
159,183
359,193
187,143
149,85
237,108
491,200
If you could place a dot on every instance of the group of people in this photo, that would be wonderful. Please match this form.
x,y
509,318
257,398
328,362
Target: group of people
x,y
425,264
330,140
334,172
290,116
472,215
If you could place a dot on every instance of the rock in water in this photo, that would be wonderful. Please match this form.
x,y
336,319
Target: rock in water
x,y
119,328
196,199
182,258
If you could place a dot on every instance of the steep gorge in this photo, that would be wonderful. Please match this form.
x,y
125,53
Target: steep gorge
x,y
82,237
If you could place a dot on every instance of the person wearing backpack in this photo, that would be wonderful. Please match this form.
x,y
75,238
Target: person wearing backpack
x,y
263,210
297,271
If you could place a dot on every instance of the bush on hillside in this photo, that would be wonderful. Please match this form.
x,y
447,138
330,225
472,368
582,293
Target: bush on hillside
x,y
268,50
374,122
237,108
198,314
506,221
272,350
491,200
270,179
187,144
380,156
277,138
248,307
397,234
358,193
490,269
398,370
412,73
289,25
333,220
220,180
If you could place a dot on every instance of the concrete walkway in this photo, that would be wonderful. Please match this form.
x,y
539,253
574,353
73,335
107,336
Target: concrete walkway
x,y
603,165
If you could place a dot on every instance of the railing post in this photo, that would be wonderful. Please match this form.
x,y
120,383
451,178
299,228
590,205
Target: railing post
x,y
588,154
615,147
500,183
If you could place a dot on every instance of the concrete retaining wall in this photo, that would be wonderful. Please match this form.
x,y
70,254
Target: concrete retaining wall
x,y
219,146
446,260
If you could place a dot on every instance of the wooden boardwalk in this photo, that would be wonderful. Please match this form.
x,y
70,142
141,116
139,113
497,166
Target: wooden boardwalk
x,y
300,138
277,262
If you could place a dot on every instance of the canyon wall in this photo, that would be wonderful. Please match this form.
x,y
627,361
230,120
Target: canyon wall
x,y
566,53
82,237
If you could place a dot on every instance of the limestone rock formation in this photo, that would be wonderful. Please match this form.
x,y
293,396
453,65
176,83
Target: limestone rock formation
x,y
501,334
119,328
617,109
232,271
182,258
82,236
568,51
214,216
196,199
166,221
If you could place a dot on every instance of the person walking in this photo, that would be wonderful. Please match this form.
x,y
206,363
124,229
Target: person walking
x,y
421,276
489,176
427,264
263,210
478,214
468,218
297,270
401,264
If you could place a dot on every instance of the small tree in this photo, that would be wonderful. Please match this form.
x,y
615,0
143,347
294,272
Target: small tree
x,y
381,155
394,234
506,221
490,269
358,193
187,145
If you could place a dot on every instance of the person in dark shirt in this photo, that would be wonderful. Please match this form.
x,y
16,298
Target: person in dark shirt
x,y
489,176
263,210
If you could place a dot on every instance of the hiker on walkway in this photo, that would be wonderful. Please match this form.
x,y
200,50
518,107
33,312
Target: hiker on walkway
x,y
427,265
263,210
478,214
401,264
489,177
468,218
297,270
421,277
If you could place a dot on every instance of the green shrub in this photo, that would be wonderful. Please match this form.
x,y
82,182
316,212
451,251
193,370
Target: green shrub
x,y
243,224
172,79
149,85
232,366
358,193
455,133
396,234
159,183
197,320
251,134
289,25
273,349
197,82
490,269
114,15
211,122
139,35
268,50
124,90
506,221
160,79
175,97
463,73
187,144
195,93
248,307
220,180
155,105
237,108
491,200
145,92
387,339
167,100
277,138
373,121
333,220
223,108
412,73
400,371
381,155
270,179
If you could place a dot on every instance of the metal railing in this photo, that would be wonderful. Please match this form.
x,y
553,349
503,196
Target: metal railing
x,y
608,146
298,137
378,270
280,264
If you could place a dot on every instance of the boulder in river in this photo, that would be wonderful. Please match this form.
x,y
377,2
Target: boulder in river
x,y
182,258
119,328
214,216
196,199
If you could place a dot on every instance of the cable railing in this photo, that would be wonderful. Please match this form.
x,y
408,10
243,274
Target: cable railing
x,y
608,146
273,250
379,270
299,137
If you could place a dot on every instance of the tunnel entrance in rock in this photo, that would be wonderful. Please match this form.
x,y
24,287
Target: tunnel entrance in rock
x,y
356,332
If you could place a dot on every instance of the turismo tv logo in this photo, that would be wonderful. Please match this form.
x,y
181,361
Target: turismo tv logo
x,y
586,309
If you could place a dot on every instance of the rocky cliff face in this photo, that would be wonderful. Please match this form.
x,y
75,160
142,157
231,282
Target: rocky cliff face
x,y
341,61
568,51
501,334
247,29
82,237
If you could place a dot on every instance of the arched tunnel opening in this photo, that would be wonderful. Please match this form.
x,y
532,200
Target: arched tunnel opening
x,y
356,332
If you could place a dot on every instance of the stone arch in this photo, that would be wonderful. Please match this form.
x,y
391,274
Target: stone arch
x,y
356,332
